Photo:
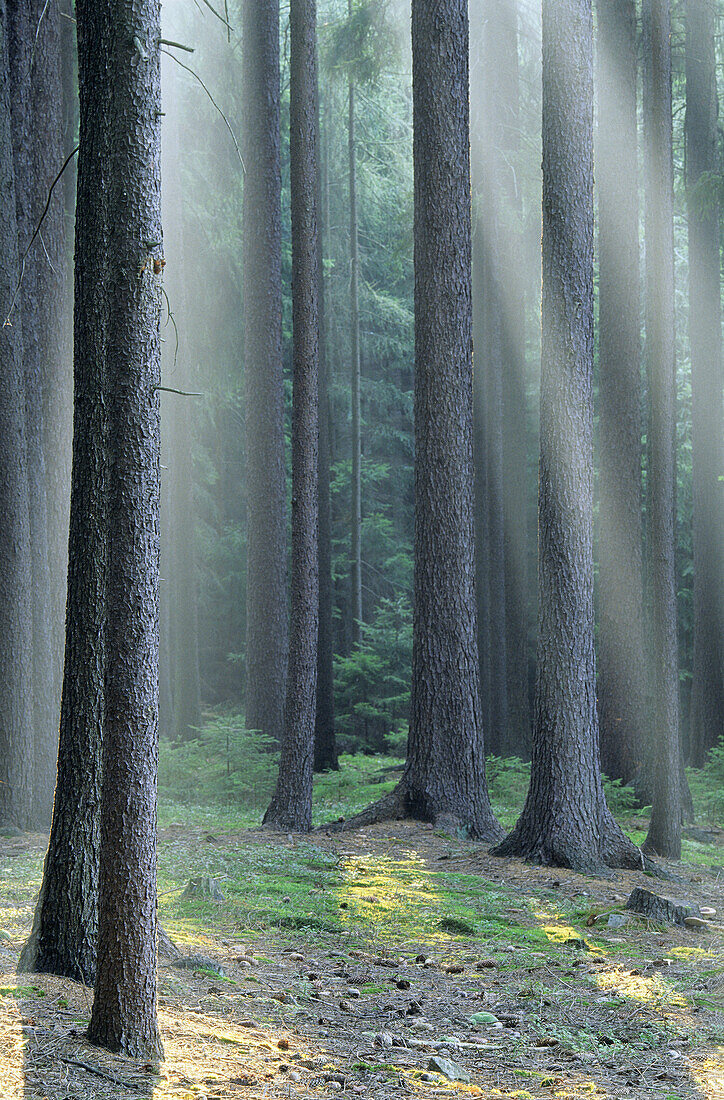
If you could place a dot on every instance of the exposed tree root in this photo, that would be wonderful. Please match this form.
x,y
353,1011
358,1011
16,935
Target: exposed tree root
x,y
397,806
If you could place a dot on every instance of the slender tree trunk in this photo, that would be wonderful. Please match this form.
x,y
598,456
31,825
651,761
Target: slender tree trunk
x,y
325,746
444,777
267,635
16,638
53,98
356,487
621,662
707,379
664,835
565,820
514,397
123,1017
63,938
30,192
291,806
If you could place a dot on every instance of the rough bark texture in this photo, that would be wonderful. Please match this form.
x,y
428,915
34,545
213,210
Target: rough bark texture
x,y
267,634
291,805
565,820
621,661
355,575
444,777
124,1006
16,638
30,193
53,140
707,380
325,744
664,835
63,938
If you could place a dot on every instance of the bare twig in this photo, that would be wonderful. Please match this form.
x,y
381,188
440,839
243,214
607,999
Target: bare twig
x,y
99,1073
217,14
181,393
172,319
37,31
36,231
196,76
176,45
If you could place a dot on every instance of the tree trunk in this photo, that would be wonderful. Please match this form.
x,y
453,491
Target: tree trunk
x,y
325,745
63,938
707,379
565,820
291,805
621,649
356,486
16,638
123,1017
664,835
30,193
267,634
444,778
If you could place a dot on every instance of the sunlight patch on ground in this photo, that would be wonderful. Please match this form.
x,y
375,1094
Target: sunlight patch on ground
x,y
653,991
12,1052
709,1074
379,891
559,932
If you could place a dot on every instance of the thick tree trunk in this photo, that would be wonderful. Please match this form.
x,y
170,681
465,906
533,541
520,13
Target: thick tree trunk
x,y
565,820
621,649
325,745
355,381
707,379
30,192
63,938
291,806
444,778
123,1017
267,633
16,637
664,835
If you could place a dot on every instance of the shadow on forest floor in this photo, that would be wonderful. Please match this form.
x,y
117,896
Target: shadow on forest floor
x,y
350,962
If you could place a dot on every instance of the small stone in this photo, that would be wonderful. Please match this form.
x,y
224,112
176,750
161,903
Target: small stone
x,y
451,1070
696,922
617,920
283,1044
286,899
383,1039
707,912
403,984
295,956
294,1075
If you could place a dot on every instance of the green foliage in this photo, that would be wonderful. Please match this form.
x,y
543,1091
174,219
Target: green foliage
x,y
707,786
225,764
373,682
361,44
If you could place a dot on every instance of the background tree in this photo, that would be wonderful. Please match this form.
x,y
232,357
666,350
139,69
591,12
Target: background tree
x,y
291,805
16,639
266,582
621,663
565,820
664,836
707,377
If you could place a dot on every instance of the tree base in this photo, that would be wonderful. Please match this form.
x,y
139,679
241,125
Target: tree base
x,y
398,806
555,845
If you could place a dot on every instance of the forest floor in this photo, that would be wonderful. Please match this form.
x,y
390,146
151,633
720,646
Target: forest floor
x,y
349,963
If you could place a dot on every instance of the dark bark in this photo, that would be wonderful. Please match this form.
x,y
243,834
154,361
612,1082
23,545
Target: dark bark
x,y
355,575
621,649
565,820
664,836
123,1017
325,745
444,777
267,635
30,193
16,639
63,938
291,805
707,380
